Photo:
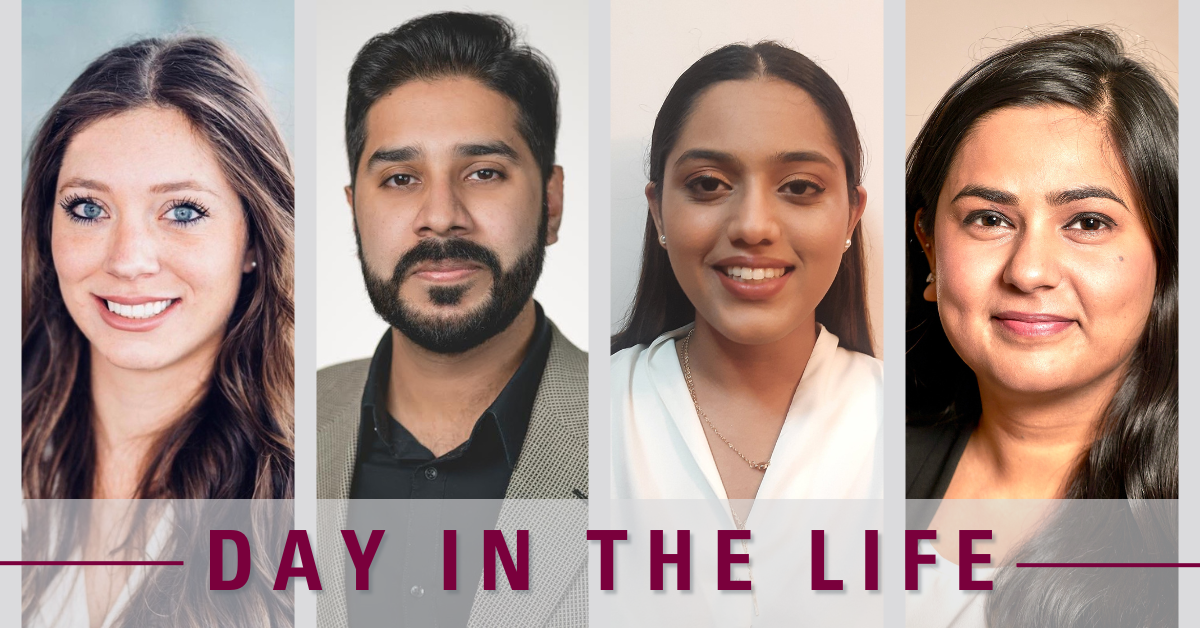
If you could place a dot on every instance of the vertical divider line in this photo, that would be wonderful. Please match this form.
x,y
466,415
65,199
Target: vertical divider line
x,y
599,271
304,162
11,163
892,541
1189,260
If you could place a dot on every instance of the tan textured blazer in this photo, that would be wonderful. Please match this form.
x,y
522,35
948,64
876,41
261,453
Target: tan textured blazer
x,y
553,465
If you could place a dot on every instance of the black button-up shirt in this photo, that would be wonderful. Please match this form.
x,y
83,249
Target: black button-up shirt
x,y
392,464
404,486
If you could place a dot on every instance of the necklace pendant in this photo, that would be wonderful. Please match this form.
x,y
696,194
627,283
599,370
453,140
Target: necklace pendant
x,y
760,466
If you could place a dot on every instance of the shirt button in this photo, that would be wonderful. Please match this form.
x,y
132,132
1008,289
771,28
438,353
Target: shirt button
x,y
430,473
416,591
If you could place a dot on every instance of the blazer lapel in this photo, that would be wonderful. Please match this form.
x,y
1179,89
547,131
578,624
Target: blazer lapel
x,y
337,448
547,496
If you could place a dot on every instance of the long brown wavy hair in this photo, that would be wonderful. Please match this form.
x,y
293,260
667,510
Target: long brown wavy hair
x,y
237,440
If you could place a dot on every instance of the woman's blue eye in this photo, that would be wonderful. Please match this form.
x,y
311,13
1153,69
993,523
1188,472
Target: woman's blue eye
x,y
90,211
185,213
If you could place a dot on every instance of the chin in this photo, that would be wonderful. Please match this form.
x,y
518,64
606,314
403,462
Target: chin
x,y
134,358
751,332
449,313
1031,376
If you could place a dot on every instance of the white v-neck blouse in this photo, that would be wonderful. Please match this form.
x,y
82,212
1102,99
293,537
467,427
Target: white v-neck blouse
x,y
830,445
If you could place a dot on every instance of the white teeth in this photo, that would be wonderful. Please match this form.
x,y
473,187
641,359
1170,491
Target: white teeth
x,y
144,310
742,273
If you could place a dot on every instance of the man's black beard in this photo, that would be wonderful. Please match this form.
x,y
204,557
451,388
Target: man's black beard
x,y
511,290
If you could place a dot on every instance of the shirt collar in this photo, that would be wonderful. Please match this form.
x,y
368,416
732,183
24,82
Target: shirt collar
x,y
510,410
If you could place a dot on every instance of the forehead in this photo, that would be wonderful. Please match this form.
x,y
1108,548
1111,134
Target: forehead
x,y
144,146
757,118
441,114
1038,149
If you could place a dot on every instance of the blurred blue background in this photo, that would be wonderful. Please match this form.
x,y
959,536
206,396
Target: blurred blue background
x,y
60,38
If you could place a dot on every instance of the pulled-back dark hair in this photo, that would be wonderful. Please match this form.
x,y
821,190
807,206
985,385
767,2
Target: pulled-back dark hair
x,y
660,304
1135,453
443,45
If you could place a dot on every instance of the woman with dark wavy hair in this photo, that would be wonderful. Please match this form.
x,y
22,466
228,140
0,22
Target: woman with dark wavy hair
x,y
745,368
1042,314
157,311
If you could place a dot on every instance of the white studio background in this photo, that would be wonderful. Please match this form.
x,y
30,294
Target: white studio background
x,y
347,326
654,42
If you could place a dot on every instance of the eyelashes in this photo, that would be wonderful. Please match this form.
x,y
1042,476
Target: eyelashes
x,y
82,209
1086,222
706,187
185,212
182,212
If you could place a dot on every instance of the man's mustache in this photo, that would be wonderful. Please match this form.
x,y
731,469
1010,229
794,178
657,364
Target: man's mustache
x,y
437,250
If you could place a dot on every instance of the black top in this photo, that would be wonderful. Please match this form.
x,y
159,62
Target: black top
x,y
932,454
392,464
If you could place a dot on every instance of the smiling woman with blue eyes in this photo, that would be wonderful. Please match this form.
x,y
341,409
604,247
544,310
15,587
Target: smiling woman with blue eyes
x,y
745,367
157,252
157,223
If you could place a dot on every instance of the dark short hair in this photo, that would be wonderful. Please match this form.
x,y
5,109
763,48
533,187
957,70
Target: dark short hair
x,y
482,47
660,304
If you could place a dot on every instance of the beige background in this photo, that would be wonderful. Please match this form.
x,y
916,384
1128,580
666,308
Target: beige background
x,y
946,37
654,42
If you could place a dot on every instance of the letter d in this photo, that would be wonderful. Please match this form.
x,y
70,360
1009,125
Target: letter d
x,y
216,560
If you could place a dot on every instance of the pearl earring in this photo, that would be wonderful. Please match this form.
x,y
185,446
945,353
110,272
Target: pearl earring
x,y
662,239
847,242
253,263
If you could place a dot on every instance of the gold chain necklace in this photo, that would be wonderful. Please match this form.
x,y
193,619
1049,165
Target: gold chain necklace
x,y
687,375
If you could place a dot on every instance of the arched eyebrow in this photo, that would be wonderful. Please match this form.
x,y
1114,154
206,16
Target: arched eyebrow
x,y
180,186
991,195
705,154
87,184
1078,194
804,156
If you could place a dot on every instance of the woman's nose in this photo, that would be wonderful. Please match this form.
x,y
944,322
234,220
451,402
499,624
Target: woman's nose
x,y
132,251
1034,261
754,221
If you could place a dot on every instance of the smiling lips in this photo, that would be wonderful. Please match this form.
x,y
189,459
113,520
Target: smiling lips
x,y
135,313
753,278
1032,325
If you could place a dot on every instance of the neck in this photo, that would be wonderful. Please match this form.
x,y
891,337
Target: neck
x,y
132,407
769,368
1033,442
429,385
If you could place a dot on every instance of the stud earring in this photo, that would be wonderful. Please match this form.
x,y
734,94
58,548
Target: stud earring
x,y
253,263
847,242
662,239
930,278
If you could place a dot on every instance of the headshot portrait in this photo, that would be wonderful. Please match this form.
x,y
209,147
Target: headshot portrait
x,y
454,197
744,355
1042,315
157,282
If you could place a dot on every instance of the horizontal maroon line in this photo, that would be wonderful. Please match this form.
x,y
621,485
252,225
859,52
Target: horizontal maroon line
x,y
89,563
1108,564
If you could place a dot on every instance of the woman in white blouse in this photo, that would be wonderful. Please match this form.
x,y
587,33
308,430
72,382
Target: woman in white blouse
x,y
745,367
